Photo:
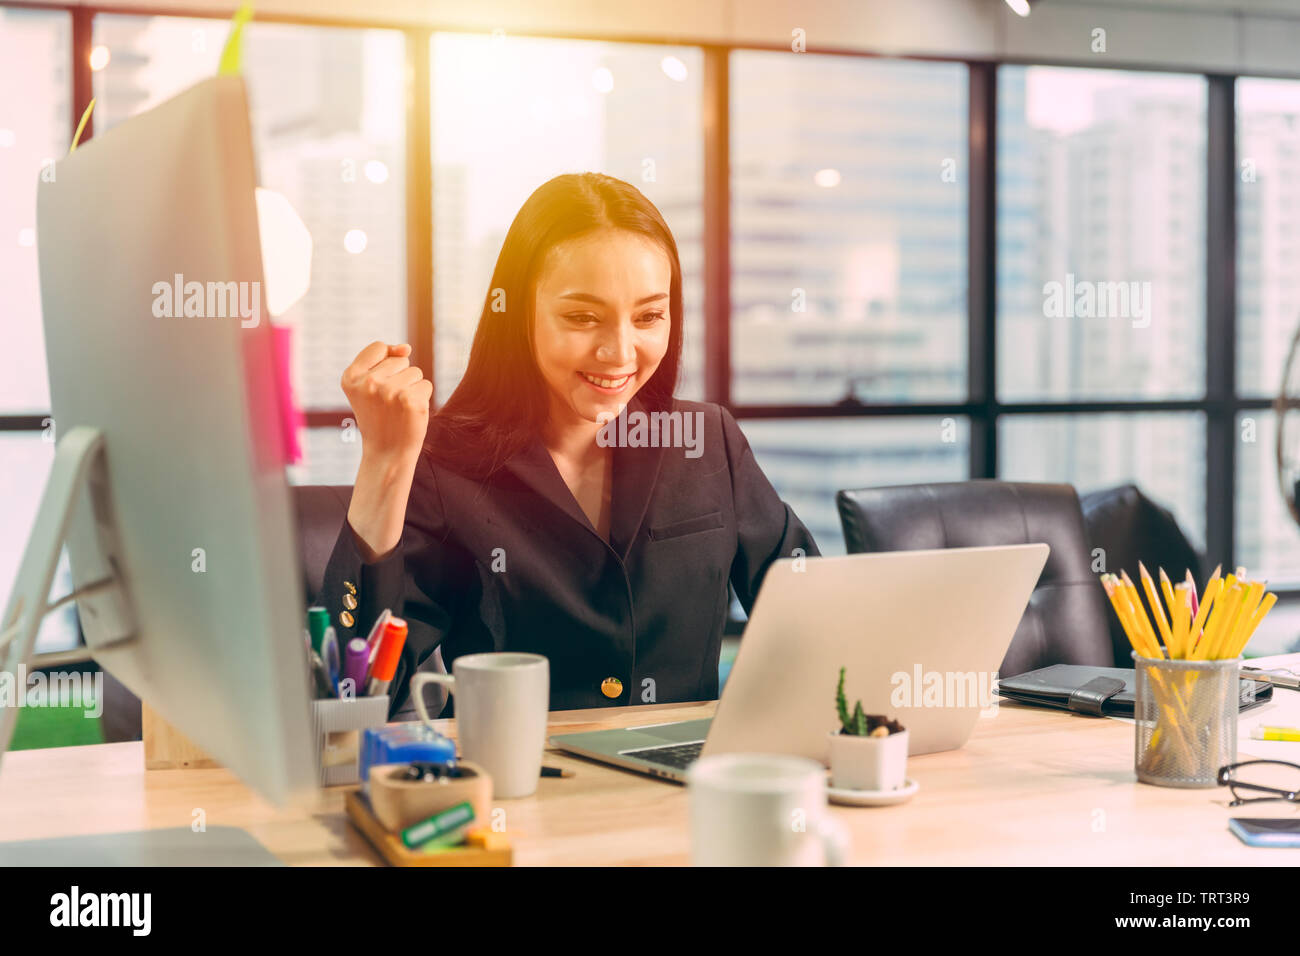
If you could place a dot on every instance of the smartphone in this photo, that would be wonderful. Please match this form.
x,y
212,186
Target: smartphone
x,y
1266,831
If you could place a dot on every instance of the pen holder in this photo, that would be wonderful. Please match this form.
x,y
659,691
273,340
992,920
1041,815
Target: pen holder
x,y
338,723
1185,718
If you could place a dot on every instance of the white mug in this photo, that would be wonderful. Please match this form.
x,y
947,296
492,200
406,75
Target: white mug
x,y
762,810
502,700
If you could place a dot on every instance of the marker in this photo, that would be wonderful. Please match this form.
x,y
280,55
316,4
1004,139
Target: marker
x,y
390,652
317,620
1275,733
356,661
440,829
330,655
374,637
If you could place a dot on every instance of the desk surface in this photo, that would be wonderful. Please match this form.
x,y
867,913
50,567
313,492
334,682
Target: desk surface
x,y
1032,786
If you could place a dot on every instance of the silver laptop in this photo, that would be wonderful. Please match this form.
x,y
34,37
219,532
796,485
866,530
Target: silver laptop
x,y
920,633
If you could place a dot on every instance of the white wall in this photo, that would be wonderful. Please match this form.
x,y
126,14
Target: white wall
x,y
1248,36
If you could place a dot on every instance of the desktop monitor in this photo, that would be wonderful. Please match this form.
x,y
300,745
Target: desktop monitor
x,y
166,393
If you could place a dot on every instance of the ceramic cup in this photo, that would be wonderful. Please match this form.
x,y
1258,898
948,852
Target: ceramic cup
x,y
762,810
502,701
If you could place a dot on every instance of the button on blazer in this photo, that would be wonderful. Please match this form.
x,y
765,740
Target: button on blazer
x,y
511,563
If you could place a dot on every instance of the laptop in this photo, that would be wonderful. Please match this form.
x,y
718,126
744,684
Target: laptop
x,y
920,633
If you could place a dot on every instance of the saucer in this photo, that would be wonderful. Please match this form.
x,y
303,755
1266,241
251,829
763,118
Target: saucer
x,y
873,798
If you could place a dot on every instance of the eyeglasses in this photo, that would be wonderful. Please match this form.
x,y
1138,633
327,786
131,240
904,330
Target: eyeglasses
x,y
1232,777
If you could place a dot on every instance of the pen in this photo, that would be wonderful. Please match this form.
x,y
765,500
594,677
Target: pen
x,y
390,651
321,677
330,657
1275,733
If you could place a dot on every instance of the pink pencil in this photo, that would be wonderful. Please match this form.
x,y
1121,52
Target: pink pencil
x,y
1191,587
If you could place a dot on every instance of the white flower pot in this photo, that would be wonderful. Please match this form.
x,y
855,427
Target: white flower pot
x,y
868,763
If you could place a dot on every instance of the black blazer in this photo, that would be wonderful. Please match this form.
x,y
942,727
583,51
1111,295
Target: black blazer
x,y
647,608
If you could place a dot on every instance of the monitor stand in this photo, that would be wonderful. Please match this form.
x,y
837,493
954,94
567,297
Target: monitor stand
x,y
78,480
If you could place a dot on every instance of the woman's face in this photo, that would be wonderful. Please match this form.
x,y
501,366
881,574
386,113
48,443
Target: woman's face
x,y
601,321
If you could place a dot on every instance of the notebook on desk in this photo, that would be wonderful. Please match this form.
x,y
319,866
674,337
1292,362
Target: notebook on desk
x,y
1096,691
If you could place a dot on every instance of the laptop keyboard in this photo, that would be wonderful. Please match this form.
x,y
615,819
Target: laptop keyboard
x,y
677,756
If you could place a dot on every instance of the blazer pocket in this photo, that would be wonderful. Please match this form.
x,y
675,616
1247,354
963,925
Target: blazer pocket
x,y
706,522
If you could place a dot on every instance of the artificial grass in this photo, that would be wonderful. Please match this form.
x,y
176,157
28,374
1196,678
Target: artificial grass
x,y
40,727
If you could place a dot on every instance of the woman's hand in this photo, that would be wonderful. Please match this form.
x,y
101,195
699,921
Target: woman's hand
x,y
390,401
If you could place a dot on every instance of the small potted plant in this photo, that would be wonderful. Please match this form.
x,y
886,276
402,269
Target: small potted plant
x,y
868,752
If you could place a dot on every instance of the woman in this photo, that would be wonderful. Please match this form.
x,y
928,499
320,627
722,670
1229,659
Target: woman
x,y
521,517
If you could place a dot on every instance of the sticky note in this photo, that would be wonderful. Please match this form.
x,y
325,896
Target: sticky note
x,y
232,54
291,417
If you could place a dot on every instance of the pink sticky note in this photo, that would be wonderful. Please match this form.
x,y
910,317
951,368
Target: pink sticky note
x,y
291,417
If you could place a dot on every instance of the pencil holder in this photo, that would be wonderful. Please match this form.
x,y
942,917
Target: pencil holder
x,y
1185,719
338,725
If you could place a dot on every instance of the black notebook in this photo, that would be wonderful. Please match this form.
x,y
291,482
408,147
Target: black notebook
x,y
1099,691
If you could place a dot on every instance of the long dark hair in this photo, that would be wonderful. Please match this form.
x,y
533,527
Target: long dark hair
x,y
501,403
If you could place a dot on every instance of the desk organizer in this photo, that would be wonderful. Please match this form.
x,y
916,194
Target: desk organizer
x,y
390,846
1186,720
398,803
338,723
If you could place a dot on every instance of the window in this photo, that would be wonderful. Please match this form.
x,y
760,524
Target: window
x,y
1268,206
509,113
848,229
1162,453
328,115
34,130
809,460
1268,540
1100,288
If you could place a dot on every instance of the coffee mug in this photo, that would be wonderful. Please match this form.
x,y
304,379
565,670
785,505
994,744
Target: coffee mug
x,y
502,700
762,810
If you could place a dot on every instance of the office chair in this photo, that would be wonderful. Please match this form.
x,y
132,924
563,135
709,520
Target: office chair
x,y
1129,527
1065,622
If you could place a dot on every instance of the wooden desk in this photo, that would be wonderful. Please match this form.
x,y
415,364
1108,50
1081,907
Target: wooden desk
x,y
1032,786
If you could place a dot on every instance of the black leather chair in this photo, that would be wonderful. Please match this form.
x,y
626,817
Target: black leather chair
x,y
1126,527
1065,622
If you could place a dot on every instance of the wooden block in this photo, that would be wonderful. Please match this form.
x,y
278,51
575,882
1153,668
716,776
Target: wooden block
x,y
166,748
392,849
398,804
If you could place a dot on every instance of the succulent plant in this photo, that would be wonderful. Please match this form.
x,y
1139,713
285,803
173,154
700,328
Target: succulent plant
x,y
860,723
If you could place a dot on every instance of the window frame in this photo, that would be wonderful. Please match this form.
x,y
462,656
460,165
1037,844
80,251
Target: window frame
x,y
1221,403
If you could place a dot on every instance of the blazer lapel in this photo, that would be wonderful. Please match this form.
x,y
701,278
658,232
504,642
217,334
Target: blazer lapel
x,y
636,469
534,466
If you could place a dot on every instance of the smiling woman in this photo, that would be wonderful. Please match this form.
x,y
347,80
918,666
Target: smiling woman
x,y
517,519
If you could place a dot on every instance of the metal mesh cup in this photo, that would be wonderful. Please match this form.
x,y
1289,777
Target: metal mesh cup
x,y
1186,720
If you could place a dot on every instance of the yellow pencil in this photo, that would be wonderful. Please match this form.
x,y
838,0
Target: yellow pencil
x,y
1144,623
1157,609
1247,610
1220,621
1195,637
1265,606
1181,607
1119,601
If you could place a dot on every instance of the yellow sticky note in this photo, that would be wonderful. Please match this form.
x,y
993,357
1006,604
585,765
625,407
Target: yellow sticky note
x,y
233,53
76,138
